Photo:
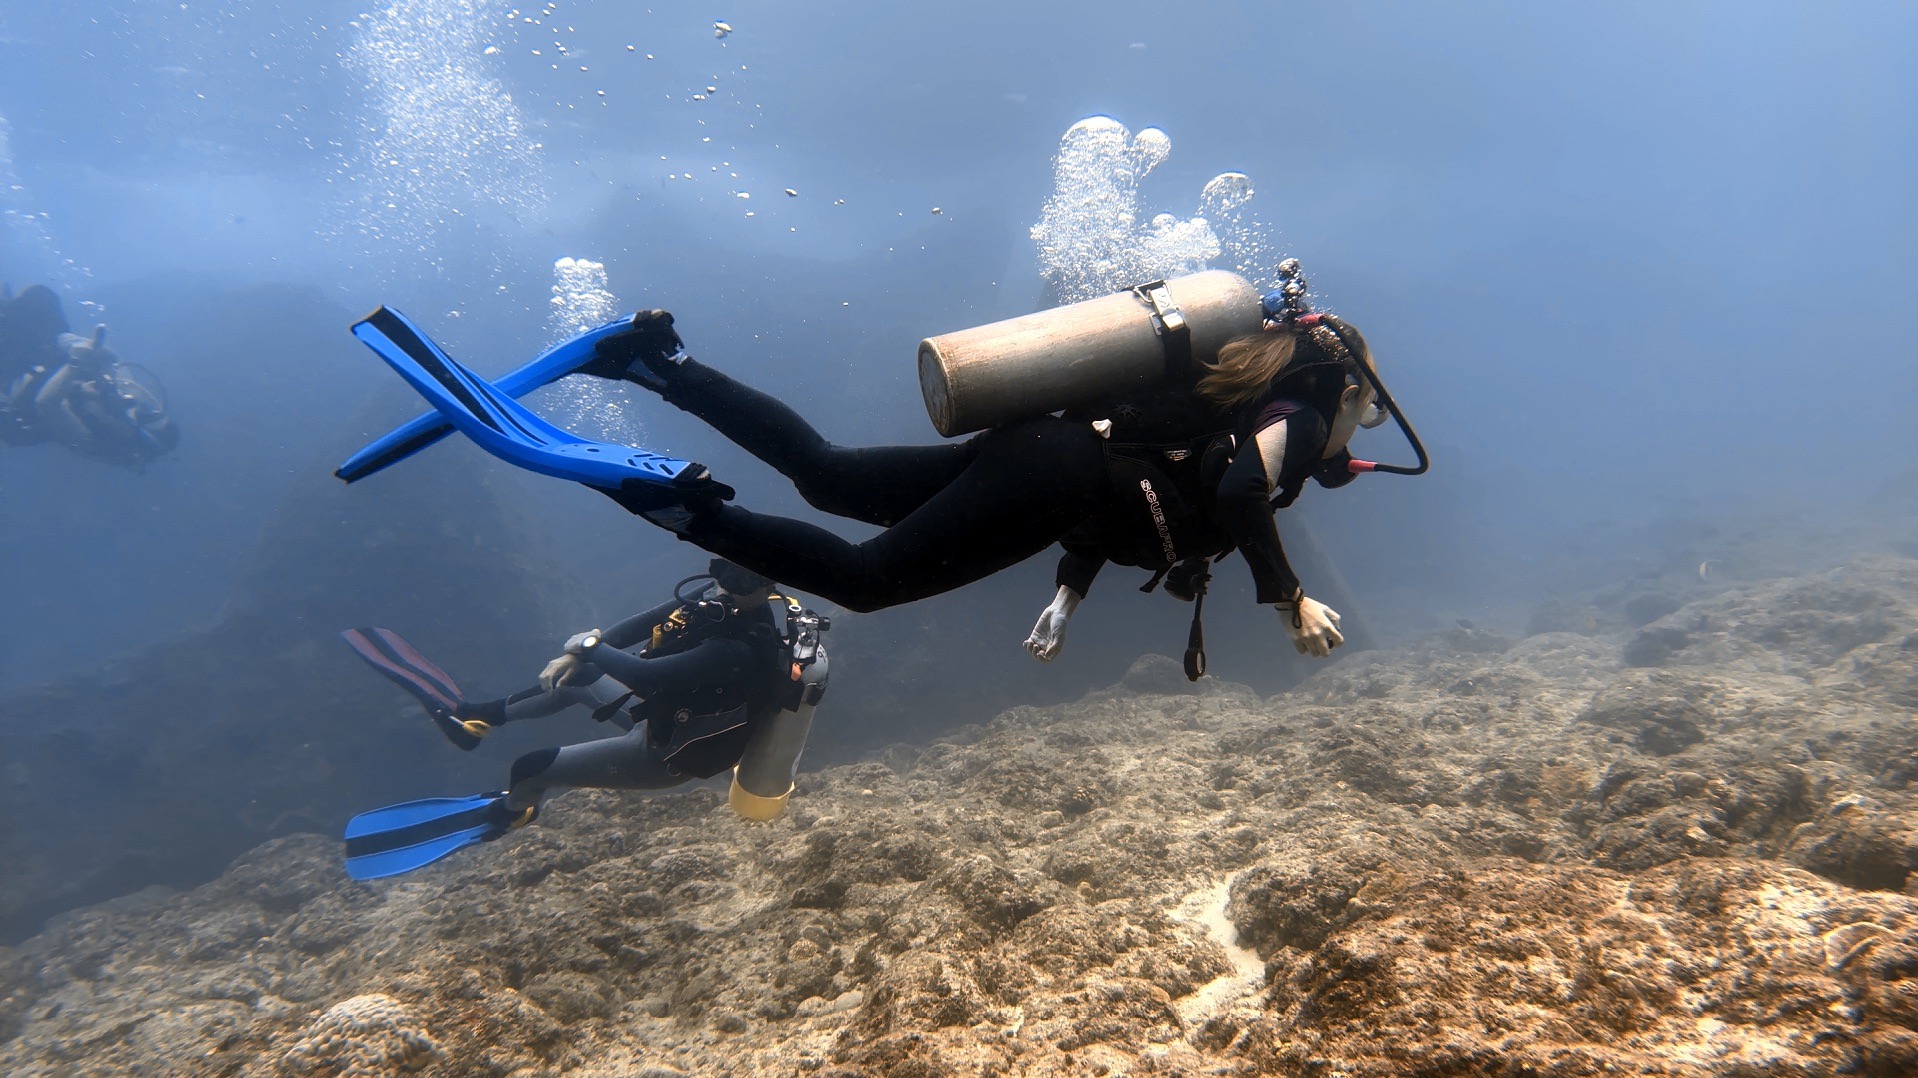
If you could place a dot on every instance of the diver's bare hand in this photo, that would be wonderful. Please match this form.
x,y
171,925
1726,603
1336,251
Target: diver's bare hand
x,y
558,671
569,669
1313,626
1049,635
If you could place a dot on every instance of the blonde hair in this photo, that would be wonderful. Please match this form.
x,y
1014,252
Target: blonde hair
x,y
1248,366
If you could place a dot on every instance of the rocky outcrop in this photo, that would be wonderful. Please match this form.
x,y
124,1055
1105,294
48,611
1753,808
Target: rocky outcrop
x,y
1474,855
195,741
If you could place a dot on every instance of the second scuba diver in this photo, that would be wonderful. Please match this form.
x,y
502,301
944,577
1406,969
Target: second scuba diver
x,y
59,386
716,684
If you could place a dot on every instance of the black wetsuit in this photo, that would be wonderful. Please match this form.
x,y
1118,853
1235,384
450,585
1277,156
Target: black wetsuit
x,y
705,677
53,387
30,328
959,512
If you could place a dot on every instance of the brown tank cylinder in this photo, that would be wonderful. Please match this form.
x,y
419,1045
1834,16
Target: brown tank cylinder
x,y
1039,363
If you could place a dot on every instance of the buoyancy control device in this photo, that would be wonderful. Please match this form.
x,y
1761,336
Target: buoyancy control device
x,y
1107,347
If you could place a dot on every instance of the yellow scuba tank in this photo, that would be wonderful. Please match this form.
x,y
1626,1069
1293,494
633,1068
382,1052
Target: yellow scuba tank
x,y
1039,363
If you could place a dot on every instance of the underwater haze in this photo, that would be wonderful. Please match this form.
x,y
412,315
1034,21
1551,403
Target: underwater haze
x,y
1640,275
1606,255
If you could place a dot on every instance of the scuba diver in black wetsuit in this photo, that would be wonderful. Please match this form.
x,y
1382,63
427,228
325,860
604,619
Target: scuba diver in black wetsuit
x,y
716,684
58,386
1166,480
1157,427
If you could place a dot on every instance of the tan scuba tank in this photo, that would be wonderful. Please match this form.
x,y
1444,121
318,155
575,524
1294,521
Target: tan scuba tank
x,y
1039,363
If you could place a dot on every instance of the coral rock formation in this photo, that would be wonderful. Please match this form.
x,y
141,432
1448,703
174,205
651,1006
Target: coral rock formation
x,y
365,1035
1473,855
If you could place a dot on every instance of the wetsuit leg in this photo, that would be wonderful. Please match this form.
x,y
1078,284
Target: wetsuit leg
x,y
1027,485
537,703
628,762
877,484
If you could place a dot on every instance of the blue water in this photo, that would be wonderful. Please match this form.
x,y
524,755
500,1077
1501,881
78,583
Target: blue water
x,y
1621,263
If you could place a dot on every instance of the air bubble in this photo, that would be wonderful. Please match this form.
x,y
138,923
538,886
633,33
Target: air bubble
x,y
1089,237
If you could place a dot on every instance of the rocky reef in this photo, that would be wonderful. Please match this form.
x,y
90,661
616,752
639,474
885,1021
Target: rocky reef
x,y
1679,843
159,765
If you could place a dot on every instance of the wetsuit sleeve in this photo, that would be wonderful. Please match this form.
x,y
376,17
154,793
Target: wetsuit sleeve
x,y
1244,499
713,661
1077,570
639,628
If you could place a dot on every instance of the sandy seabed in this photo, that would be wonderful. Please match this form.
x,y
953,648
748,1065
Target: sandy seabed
x,y
1679,843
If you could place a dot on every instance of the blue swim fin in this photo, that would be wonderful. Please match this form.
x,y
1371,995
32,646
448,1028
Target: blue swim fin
x,y
503,427
413,834
574,355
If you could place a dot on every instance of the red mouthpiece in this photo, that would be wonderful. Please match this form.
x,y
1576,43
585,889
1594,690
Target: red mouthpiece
x,y
1359,467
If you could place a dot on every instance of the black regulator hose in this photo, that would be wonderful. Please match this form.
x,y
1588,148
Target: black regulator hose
x,y
1385,400
681,587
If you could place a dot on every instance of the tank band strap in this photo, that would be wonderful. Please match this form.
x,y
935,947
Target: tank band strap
x,y
1175,333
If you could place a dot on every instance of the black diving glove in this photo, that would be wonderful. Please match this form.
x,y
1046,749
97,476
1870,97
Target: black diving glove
x,y
640,353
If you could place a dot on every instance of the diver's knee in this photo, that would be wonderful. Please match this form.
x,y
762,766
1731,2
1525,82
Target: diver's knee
x,y
865,596
818,493
818,474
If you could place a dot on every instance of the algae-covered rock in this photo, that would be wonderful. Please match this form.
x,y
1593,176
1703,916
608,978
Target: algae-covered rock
x,y
363,1036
